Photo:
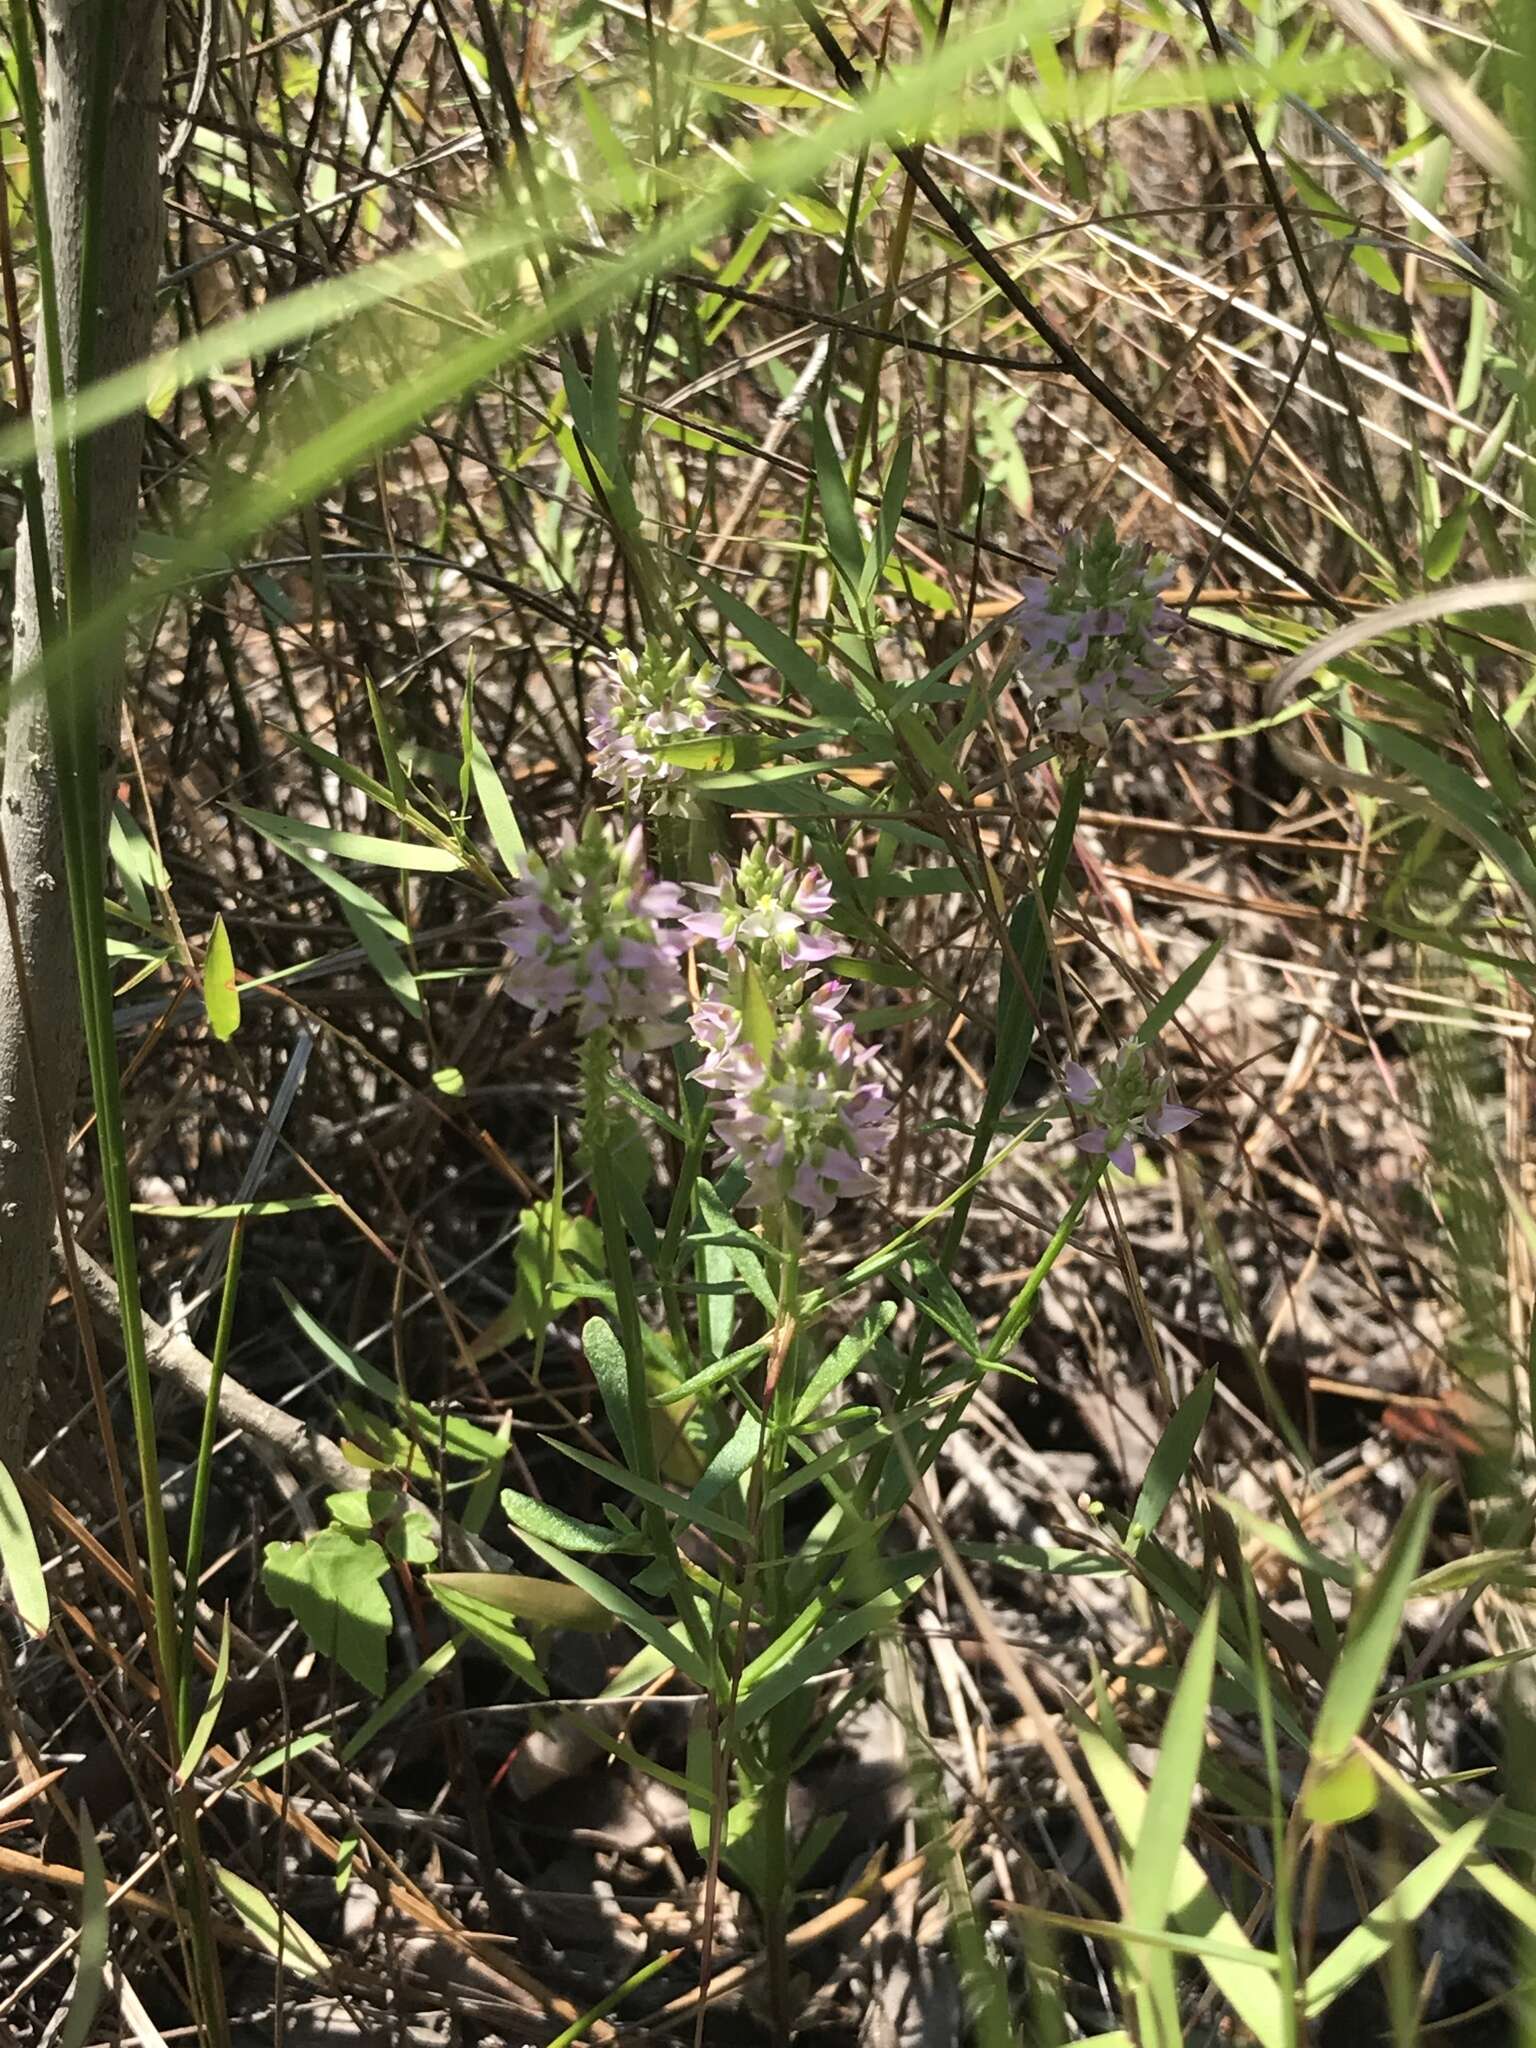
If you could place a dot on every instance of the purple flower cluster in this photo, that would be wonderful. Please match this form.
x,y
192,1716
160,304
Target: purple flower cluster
x,y
1129,1100
591,929
800,1113
645,703
1092,640
768,910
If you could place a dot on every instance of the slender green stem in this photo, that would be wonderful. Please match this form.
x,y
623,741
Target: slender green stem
x,y
597,1061
202,1484
780,1392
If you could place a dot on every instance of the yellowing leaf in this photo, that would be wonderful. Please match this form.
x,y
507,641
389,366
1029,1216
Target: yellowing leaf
x,y
221,992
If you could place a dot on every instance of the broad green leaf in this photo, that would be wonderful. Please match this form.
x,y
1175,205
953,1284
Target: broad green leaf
x,y
221,992
329,1583
1170,1461
1338,1792
19,1556
278,1932
559,1260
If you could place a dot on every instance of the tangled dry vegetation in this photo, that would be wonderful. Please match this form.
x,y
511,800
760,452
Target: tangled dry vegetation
x,y
491,1866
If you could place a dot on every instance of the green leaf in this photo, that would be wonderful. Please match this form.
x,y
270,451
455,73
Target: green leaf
x,y
329,1583
221,992
892,502
1165,1822
1176,995
1457,795
605,1355
1170,1461
550,1525
497,808
202,1734
90,1970
544,1602
19,1556
1389,1922
494,1628
1370,1638
845,543
362,846
428,1670
767,1681
650,1628
559,1260
849,1354
759,1026
1193,1908
798,669
278,1932
1340,1792
377,930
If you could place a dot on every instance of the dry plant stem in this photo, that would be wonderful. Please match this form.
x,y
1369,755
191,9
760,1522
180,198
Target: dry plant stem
x,y
306,1451
128,231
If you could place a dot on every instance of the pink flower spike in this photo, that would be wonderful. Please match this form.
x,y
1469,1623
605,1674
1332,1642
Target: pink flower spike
x,y
1124,1156
1081,1086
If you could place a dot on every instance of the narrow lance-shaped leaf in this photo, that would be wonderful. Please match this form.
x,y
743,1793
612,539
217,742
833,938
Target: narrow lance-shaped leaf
x,y
1339,1786
278,1932
90,1970
19,1556
1170,1461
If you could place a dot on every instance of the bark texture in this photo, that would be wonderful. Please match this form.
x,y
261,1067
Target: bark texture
x,y
129,230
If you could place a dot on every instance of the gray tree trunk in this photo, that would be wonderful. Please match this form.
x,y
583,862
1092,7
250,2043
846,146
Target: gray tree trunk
x,y
130,242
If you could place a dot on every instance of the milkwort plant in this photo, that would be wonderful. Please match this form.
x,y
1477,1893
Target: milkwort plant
x,y
745,1262
785,1115
737,1117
